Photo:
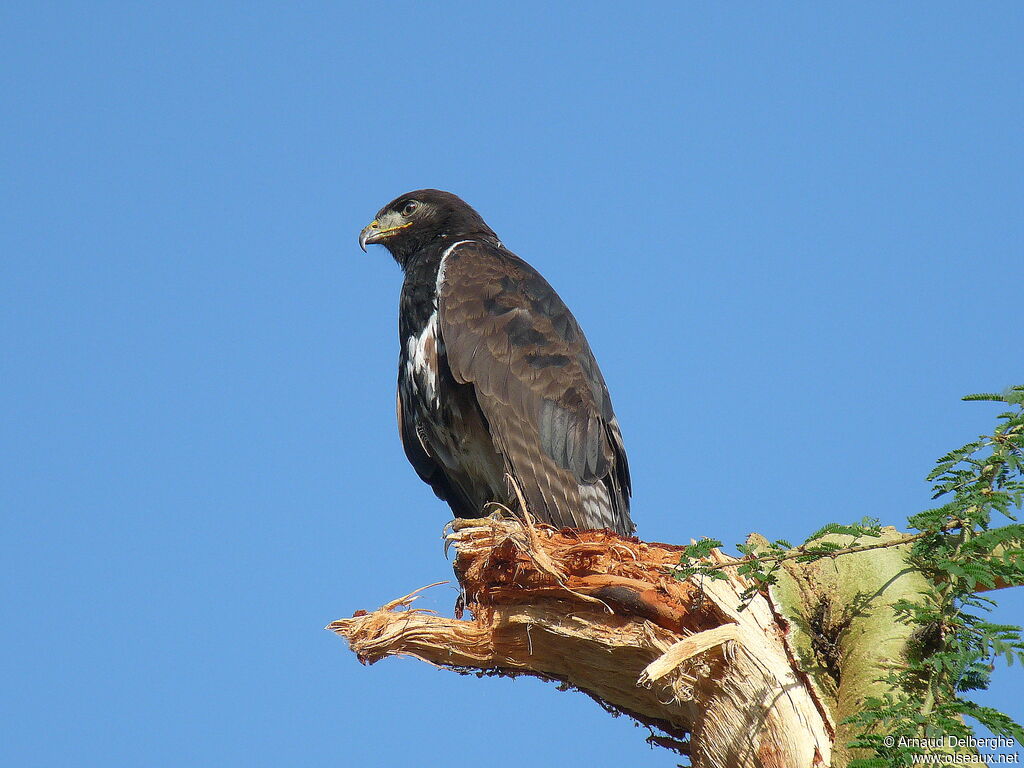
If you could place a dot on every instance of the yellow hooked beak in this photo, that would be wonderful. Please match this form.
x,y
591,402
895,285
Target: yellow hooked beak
x,y
379,230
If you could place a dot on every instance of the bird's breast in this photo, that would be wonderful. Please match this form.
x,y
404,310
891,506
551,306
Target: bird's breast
x,y
447,418
421,362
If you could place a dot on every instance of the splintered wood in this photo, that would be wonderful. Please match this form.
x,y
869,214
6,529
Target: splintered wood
x,y
604,614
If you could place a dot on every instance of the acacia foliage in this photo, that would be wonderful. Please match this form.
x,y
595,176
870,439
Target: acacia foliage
x,y
970,543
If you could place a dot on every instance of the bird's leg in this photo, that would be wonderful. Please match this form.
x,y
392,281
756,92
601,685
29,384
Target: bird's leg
x,y
494,510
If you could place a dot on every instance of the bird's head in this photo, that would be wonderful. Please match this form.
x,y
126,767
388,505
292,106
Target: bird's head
x,y
416,219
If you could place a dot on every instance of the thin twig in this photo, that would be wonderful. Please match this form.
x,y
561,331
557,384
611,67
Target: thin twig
x,y
801,551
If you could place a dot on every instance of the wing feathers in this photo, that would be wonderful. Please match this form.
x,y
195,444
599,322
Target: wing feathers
x,y
506,332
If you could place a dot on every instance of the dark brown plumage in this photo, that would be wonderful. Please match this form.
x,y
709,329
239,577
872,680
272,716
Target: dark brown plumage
x,y
495,375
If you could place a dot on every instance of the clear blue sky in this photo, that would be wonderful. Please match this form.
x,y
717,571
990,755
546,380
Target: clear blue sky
x,y
792,233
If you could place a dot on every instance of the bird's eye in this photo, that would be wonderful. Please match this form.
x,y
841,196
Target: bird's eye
x,y
409,207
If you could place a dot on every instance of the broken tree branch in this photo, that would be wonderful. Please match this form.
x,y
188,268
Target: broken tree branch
x,y
603,614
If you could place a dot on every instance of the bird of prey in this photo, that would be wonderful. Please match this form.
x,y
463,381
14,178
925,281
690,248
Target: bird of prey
x,y
498,390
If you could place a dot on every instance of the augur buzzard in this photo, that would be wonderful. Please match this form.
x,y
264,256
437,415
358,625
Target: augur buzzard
x,y
495,377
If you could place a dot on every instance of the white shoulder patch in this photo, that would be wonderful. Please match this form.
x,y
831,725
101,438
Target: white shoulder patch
x,y
444,258
422,349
